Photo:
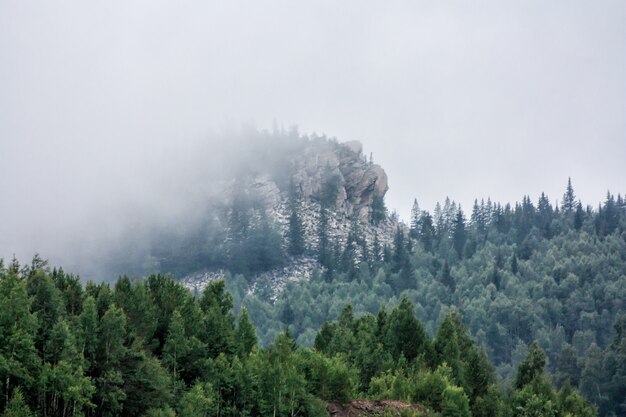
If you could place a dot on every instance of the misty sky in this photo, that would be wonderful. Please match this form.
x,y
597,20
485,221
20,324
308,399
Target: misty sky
x,y
462,99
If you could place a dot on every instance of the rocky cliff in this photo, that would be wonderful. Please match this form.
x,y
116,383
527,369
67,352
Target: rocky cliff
x,y
311,169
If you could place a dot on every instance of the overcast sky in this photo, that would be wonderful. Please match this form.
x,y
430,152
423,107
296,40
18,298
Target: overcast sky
x,y
462,99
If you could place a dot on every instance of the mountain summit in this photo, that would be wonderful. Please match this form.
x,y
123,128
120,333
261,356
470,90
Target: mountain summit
x,y
312,201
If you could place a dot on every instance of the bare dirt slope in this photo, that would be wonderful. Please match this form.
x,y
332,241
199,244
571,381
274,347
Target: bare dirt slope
x,y
371,408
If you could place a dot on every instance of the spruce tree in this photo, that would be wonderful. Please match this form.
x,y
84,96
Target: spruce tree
x,y
323,246
579,216
295,237
459,236
569,199
245,336
531,367
176,345
446,277
378,211
427,232
405,335
17,407
414,230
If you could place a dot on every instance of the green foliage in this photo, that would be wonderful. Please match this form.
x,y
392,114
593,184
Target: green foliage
x,y
532,367
431,386
405,335
455,403
198,402
295,236
328,378
17,407
378,211
245,336
187,357
19,361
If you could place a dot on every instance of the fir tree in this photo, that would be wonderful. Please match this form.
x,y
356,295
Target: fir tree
x,y
415,220
295,235
427,232
378,211
569,199
459,235
245,336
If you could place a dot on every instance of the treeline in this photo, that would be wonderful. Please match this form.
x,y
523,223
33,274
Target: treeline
x,y
149,348
519,273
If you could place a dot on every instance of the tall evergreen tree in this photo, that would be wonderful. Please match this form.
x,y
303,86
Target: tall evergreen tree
x,y
531,367
405,335
569,199
427,232
414,230
378,211
176,345
459,236
19,361
245,336
296,244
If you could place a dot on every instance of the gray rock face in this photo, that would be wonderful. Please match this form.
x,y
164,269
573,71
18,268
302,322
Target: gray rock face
x,y
358,182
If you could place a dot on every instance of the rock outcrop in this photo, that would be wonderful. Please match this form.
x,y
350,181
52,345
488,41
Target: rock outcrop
x,y
320,163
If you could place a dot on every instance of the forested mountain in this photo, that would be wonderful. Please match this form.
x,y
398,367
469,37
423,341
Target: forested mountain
x,y
532,271
460,308
150,348
275,198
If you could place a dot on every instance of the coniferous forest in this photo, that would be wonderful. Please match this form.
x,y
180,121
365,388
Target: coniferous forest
x,y
530,274
510,311
183,235
504,310
150,348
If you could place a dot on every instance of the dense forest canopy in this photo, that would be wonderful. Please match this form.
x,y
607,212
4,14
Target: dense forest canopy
x,y
150,348
534,281
545,272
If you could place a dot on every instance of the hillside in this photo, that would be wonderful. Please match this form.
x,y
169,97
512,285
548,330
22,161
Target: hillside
x,y
518,273
150,348
299,234
269,219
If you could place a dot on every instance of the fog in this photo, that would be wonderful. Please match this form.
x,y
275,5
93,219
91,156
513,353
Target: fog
x,y
118,115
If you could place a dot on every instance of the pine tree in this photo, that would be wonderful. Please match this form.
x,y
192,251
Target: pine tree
x,y
415,220
514,266
199,401
579,216
569,199
219,329
376,257
112,337
427,232
446,277
531,367
447,348
47,304
400,252
478,218
455,403
176,345
324,249
245,336
87,331
19,361
296,244
405,335
459,236
17,407
378,211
